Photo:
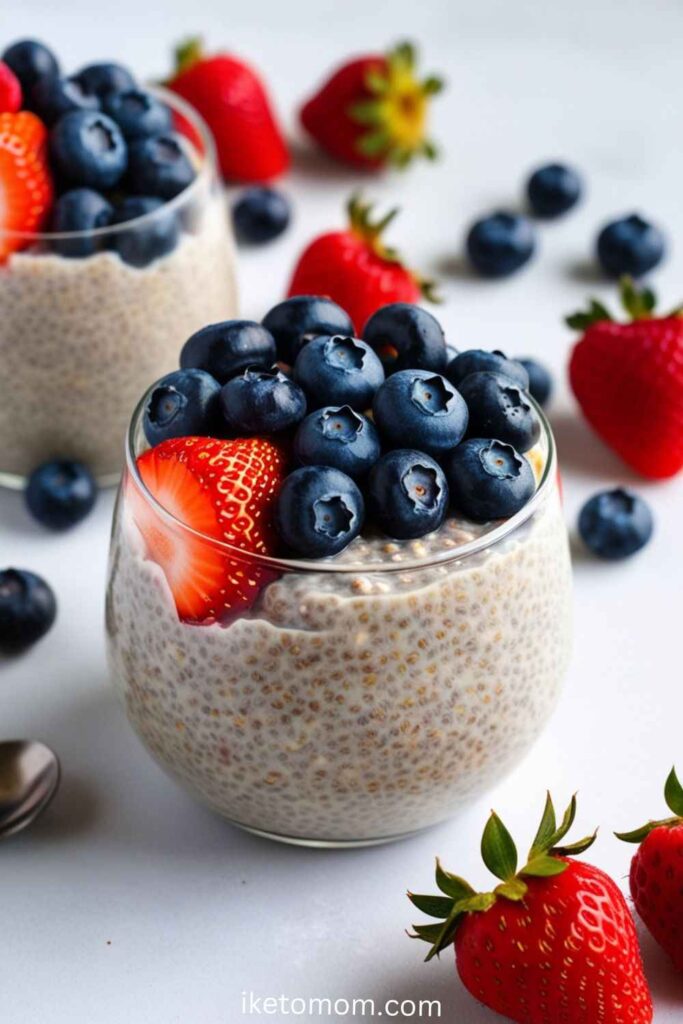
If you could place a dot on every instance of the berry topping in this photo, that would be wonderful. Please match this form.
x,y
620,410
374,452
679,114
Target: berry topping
x,y
27,609
422,409
159,165
10,90
262,402
137,113
54,97
182,403
60,494
88,149
25,182
406,337
338,370
320,510
228,348
260,215
407,494
30,61
498,408
553,190
80,209
100,79
476,360
295,321
630,245
488,479
500,244
540,384
338,437
155,236
615,524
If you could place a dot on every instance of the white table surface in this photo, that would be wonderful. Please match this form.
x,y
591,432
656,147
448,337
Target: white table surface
x,y
128,902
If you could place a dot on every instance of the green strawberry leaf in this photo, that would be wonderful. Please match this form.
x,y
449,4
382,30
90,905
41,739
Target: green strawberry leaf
x,y
374,144
574,849
514,889
452,885
498,849
432,906
546,830
639,304
673,794
565,824
429,932
638,834
432,85
544,866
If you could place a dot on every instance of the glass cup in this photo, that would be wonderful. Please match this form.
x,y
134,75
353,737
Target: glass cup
x,y
355,702
82,335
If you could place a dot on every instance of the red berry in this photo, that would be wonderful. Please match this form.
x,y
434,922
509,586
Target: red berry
x,y
25,184
10,90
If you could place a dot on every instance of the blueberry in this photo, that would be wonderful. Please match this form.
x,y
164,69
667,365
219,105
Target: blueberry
x,y
630,245
61,493
406,337
615,524
407,494
88,149
451,353
553,189
338,437
228,348
155,236
338,371
80,209
295,321
540,380
262,402
159,165
500,244
474,360
260,215
100,79
27,609
422,409
30,61
319,511
185,403
500,409
137,113
488,479
53,97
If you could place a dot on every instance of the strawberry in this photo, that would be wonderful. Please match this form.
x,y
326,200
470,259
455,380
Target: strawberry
x,y
10,90
25,182
628,379
657,873
373,110
553,943
234,103
223,490
355,269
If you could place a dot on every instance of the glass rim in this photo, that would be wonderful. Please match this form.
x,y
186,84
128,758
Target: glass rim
x,y
302,565
207,170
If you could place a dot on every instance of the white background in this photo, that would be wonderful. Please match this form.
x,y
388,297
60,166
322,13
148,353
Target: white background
x,y
128,902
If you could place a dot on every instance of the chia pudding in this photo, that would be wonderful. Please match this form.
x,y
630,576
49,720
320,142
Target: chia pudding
x,y
362,697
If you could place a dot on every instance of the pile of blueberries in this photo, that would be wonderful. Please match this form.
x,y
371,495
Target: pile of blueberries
x,y
391,430
113,152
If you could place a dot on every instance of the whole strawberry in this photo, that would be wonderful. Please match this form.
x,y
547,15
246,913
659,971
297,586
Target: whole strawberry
x,y
628,379
657,873
355,269
233,101
373,111
553,943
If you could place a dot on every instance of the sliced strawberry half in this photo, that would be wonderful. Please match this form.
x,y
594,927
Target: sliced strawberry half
x,y
223,491
25,184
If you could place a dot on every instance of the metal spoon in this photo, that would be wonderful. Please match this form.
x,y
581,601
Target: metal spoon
x,y
29,779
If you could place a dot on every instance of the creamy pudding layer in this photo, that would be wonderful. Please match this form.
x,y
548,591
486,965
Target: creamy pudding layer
x,y
80,338
350,706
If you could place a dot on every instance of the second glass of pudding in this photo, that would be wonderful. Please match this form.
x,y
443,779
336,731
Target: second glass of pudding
x,y
363,697
81,336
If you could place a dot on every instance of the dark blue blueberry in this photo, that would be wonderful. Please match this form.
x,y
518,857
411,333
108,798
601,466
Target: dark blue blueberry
x,y
185,403
100,79
295,321
421,409
488,479
54,97
228,348
155,236
631,246
30,61
540,380
84,210
61,493
319,511
338,371
88,149
406,337
159,165
500,409
553,189
615,524
262,402
475,360
500,244
27,609
407,494
339,437
260,215
137,113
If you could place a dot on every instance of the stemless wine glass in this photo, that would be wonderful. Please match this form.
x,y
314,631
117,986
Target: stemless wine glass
x,y
361,698
81,336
